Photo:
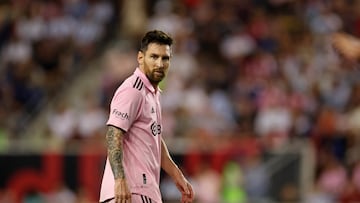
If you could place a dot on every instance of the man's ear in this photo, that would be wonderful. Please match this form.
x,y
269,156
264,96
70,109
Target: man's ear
x,y
140,57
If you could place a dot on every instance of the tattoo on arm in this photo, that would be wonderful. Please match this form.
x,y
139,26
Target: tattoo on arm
x,y
114,137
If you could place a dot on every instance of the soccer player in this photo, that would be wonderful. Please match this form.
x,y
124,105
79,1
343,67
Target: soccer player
x,y
136,151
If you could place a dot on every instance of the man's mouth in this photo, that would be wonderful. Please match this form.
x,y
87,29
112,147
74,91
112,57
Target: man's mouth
x,y
159,73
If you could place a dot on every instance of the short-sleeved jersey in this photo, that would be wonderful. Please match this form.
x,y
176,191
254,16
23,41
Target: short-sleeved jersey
x,y
135,108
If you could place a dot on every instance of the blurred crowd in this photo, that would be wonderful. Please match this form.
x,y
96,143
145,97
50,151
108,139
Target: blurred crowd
x,y
247,77
43,44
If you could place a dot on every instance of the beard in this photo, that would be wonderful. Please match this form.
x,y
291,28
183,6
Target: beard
x,y
155,76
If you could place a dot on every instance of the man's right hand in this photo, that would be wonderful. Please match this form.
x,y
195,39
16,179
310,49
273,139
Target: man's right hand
x,y
122,192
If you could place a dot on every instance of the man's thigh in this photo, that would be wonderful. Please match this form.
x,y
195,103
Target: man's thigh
x,y
137,198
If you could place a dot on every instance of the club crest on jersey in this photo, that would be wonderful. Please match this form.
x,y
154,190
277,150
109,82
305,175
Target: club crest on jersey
x,y
121,115
155,129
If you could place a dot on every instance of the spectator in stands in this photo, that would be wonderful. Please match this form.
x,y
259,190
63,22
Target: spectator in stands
x,y
347,45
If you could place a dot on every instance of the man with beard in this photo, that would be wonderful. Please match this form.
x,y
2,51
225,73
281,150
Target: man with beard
x,y
136,151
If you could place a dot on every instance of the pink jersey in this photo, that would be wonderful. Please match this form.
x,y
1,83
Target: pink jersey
x,y
135,108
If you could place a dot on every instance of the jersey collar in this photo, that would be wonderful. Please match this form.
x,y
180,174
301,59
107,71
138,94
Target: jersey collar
x,y
146,81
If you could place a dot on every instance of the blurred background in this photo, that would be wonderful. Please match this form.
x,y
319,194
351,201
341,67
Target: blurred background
x,y
257,107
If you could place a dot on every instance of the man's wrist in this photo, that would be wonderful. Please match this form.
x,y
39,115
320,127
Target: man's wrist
x,y
177,174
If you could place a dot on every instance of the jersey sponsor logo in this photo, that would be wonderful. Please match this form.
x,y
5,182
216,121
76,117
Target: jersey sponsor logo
x,y
155,129
138,84
119,114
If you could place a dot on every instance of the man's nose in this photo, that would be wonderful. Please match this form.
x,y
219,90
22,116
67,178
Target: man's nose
x,y
159,62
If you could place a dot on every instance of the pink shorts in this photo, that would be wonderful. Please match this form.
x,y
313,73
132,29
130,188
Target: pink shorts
x,y
136,198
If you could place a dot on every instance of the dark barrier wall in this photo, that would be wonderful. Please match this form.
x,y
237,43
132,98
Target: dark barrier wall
x,y
26,174
23,174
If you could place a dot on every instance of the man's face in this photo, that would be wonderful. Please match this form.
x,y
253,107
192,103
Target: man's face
x,y
155,61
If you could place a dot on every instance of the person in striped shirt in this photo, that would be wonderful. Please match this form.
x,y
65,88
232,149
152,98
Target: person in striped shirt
x,y
136,151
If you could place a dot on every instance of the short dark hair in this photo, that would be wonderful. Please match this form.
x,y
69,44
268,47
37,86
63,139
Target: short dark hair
x,y
155,36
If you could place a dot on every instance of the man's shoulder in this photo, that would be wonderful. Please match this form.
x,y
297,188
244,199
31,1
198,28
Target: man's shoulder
x,y
132,86
133,82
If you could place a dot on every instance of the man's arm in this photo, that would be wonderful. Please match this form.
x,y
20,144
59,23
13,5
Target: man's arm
x,y
169,166
114,139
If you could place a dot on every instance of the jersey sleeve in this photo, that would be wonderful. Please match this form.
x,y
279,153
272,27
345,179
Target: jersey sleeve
x,y
125,108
